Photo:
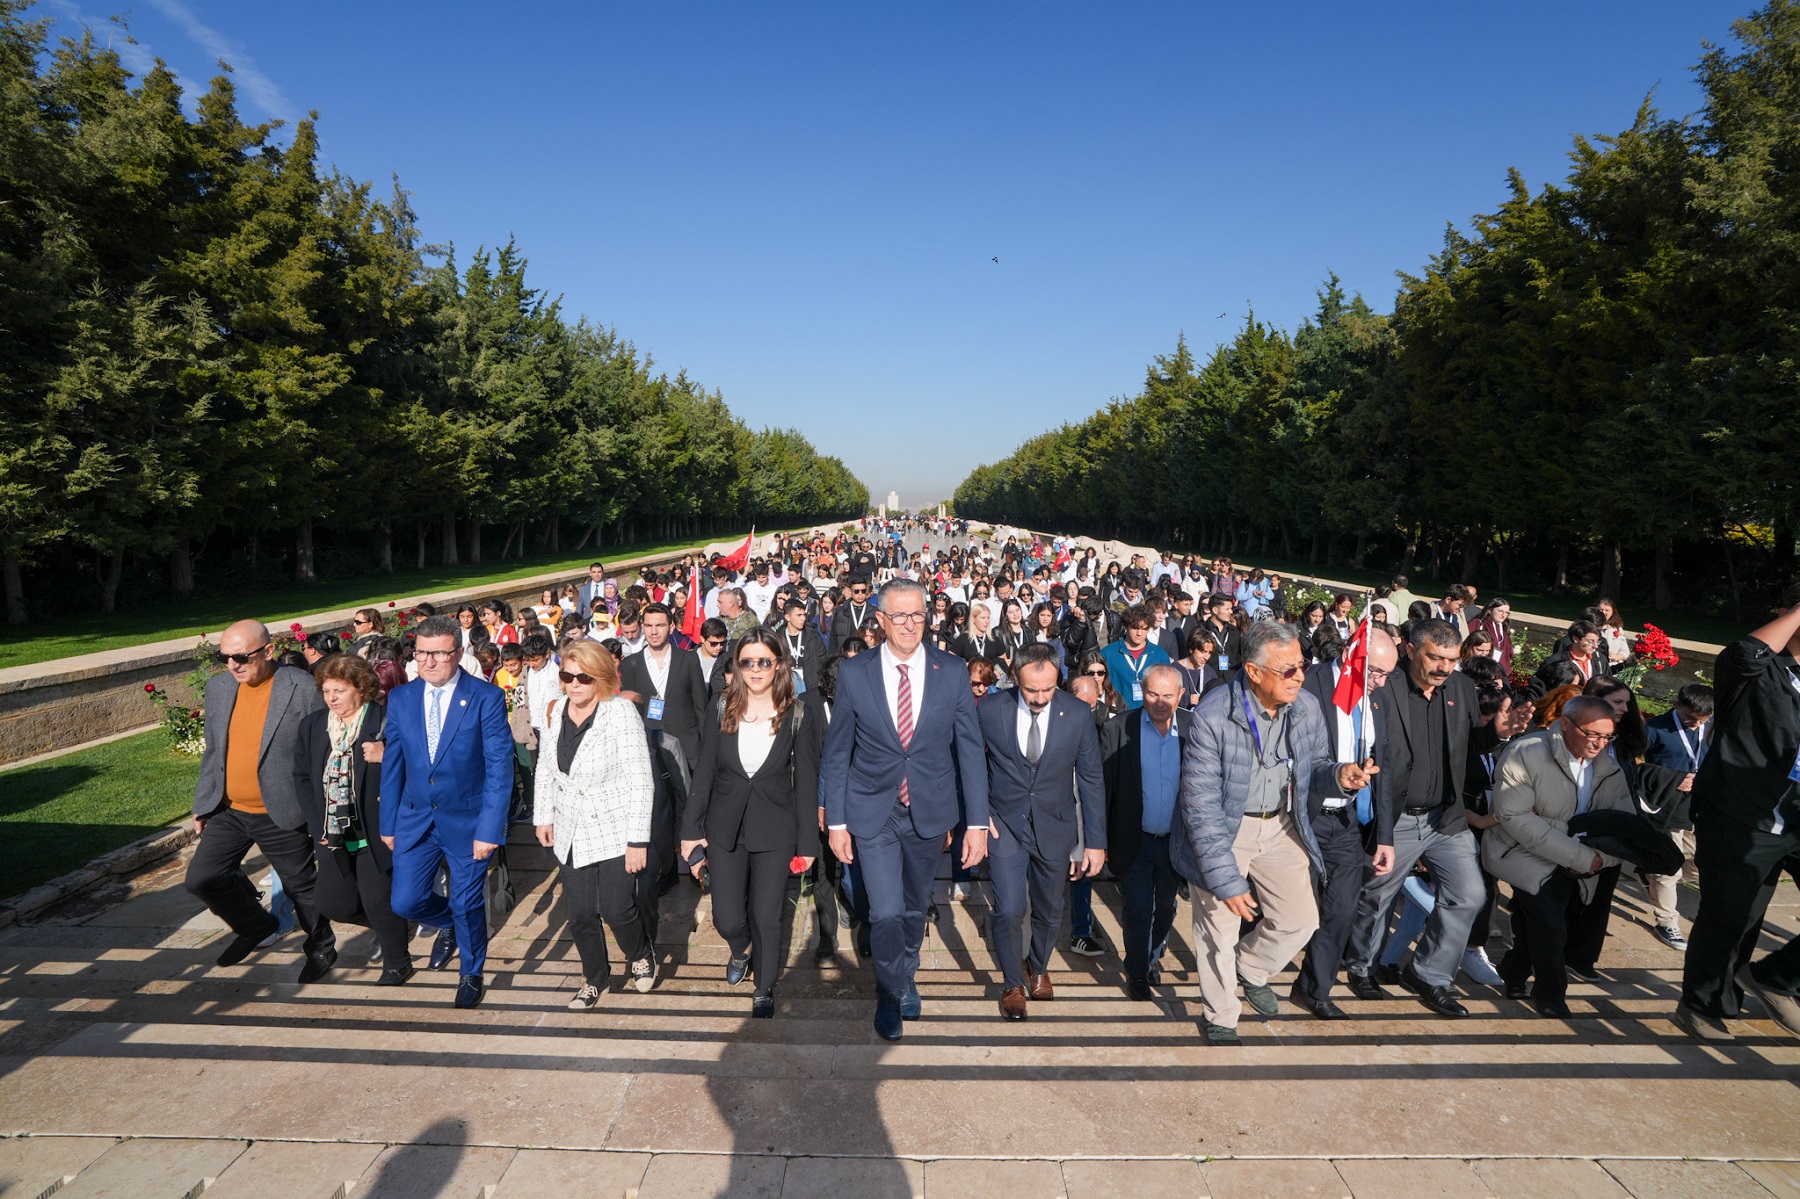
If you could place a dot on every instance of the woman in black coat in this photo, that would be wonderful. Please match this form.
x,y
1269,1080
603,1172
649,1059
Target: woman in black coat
x,y
337,765
754,806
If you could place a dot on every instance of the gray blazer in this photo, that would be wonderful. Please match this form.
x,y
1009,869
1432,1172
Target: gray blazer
x,y
1215,785
294,696
1534,797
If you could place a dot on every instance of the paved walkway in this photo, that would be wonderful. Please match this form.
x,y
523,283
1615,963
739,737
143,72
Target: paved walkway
x,y
133,1067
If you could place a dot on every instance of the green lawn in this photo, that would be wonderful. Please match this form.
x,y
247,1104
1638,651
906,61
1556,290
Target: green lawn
x,y
59,815
89,634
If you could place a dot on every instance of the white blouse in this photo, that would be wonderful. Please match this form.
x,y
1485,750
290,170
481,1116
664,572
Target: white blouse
x,y
754,742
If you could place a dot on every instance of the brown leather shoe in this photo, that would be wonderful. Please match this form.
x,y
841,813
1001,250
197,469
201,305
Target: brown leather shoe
x,y
1013,1003
1039,986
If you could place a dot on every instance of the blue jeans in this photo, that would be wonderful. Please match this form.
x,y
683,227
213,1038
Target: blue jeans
x,y
1415,902
1147,895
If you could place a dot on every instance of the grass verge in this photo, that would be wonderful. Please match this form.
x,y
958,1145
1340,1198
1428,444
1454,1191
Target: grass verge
x,y
59,815
208,614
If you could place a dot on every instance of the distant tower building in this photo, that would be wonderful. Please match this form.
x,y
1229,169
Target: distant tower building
x,y
893,501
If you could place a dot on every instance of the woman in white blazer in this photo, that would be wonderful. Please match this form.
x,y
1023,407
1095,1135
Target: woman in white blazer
x,y
592,807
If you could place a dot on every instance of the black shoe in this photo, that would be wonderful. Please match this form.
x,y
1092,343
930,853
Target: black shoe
x,y
1260,996
825,951
1324,1009
396,976
238,949
1586,974
469,990
888,1024
1137,988
1518,990
910,1004
1552,1009
1441,1000
1364,987
443,948
846,911
318,965
1387,975
1181,889
736,969
1218,1034
762,1007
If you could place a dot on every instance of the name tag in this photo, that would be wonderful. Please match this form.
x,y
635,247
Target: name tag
x,y
656,709
799,683
1224,662
1794,774
1137,693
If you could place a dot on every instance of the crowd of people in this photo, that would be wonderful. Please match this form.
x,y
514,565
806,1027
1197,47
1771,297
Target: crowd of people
x,y
1343,782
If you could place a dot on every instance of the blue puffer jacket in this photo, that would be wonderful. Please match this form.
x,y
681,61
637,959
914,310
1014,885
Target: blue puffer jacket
x,y
1215,783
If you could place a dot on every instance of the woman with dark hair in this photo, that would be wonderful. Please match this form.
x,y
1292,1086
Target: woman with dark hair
x,y
469,620
1339,616
1093,664
496,617
337,772
1042,627
1013,634
1493,621
939,618
365,626
1312,618
753,806
1327,646
1197,675
1477,645
1612,634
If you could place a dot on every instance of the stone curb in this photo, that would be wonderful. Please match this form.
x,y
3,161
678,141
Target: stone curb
x,y
128,859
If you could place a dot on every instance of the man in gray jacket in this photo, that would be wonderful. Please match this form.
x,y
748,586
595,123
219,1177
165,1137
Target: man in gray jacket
x,y
247,796
1258,751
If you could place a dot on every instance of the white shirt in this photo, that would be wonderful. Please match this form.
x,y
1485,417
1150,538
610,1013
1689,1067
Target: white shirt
x,y
1023,724
627,648
659,671
1346,733
753,744
890,681
448,694
542,688
759,596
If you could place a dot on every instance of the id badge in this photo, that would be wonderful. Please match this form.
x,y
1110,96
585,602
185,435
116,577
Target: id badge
x,y
1137,693
656,709
1794,774
799,683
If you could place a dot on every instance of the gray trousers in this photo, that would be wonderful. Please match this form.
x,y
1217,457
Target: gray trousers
x,y
1455,865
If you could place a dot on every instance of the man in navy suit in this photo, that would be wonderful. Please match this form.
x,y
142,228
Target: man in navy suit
x,y
1042,748
446,786
903,733
1339,825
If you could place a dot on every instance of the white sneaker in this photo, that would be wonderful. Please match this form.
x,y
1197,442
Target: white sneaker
x,y
643,975
1475,964
959,892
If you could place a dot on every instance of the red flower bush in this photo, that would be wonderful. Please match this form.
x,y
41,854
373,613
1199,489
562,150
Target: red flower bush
x,y
1652,648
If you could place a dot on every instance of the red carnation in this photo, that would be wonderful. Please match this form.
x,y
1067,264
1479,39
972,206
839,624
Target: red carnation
x,y
390,603
296,628
149,688
796,864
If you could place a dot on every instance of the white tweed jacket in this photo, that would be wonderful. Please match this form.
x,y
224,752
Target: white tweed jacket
x,y
605,801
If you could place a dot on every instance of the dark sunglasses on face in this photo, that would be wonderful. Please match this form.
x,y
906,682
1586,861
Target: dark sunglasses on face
x,y
756,663
567,678
1289,673
245,659
1097,673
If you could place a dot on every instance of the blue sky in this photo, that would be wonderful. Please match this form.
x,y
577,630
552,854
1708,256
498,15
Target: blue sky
x,y
800,204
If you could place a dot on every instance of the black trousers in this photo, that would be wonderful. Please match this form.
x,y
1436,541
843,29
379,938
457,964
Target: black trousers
x,y
1341,846
1588,921
1739,866
605,890
215,877
749,895
1540,926
1020,871
354,889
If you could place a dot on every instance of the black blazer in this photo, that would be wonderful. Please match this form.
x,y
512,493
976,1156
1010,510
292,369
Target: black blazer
x,y
1397,739
1122,765
1320,681
683,701
844,625
965,648
310,755
1541,679
1227,642
812,653
1044,795
776,811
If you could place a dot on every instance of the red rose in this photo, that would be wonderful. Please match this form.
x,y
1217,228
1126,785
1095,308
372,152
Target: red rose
x,y
194,712
295,628
390,603
149,688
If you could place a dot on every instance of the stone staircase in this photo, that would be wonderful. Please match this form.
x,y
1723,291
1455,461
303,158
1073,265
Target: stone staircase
x,y
131,1066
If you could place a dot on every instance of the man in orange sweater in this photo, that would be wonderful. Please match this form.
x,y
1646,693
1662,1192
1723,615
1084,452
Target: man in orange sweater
x,y
248,795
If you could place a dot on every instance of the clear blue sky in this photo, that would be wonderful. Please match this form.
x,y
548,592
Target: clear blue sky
x,y
800,203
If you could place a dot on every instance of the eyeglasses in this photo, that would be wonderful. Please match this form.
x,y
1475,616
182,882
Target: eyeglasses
x,y
756,664
439,655
245,659
905,618
567,678
1289,673
358,622
1596,738
1381,675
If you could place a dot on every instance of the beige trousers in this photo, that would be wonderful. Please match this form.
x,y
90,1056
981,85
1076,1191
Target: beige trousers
x,y
1269,853
1662,886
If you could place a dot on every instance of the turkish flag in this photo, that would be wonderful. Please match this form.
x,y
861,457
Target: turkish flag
x,y
739,558
694,615
1353,667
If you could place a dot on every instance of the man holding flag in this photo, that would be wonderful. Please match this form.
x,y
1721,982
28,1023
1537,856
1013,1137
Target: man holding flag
x,y
1354,722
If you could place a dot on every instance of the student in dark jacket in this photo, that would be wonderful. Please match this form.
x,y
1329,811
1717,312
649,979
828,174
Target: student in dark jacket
x,y
1676,741
337,768
754,806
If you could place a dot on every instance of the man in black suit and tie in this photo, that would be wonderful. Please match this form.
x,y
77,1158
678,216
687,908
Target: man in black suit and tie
x,y
805,647
903,734
853,615
1339,825
665,683
1041,750
1140,755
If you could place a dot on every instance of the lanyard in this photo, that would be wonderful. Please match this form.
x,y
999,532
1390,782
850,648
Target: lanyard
x,y
1143,663
794,647
1692,747
1255,734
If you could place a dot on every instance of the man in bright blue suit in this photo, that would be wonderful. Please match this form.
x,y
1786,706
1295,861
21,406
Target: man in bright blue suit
x,y
446,785
903,747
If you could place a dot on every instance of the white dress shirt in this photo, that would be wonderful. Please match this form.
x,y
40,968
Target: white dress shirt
x,y
542,688
659,671
445,696
1023,725
1582,771
1346,734
890,681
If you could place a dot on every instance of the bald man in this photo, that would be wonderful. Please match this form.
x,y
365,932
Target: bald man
x,y
1338,825
248,794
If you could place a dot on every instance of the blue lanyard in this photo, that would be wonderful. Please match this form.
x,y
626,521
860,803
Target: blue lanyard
x,y
1256,735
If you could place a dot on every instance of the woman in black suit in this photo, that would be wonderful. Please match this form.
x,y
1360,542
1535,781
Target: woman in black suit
x,y
754,806
337,765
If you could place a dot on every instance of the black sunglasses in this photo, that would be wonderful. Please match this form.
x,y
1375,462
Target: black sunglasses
x,y
567,678
244,659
